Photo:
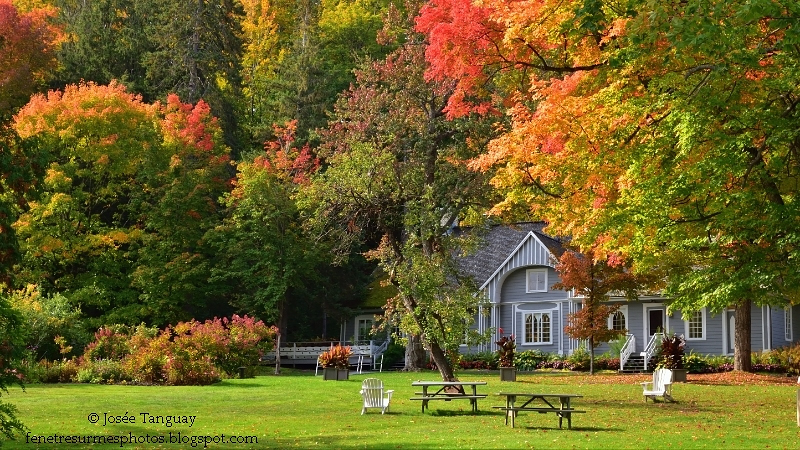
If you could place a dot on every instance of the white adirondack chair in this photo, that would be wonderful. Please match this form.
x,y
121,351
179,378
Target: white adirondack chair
x,y
374,396
661,386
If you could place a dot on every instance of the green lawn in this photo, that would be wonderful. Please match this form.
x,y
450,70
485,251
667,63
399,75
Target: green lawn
x,y
300,410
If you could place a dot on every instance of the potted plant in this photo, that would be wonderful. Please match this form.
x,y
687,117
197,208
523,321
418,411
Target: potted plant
x,y
336,363
505,356
671,357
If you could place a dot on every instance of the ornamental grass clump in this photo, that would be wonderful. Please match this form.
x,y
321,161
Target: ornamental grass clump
x,y
338,357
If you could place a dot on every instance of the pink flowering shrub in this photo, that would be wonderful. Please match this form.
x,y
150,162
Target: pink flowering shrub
x,y
109,343
189,353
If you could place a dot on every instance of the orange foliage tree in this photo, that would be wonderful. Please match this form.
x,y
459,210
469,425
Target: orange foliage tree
x,y
663,131
27,53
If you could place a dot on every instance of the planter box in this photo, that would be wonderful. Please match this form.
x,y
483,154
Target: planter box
x,y
332,373
678,375
508,374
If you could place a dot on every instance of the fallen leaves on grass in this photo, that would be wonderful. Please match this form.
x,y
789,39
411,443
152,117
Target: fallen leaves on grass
x,y
735,378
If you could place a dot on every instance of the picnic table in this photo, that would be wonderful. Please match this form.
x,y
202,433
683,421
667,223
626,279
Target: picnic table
x,y
448,390
559,404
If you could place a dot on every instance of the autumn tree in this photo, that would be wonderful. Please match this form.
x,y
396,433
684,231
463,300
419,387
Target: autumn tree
x,y
182,204
595,281
80,223
396,178
27,55
663,132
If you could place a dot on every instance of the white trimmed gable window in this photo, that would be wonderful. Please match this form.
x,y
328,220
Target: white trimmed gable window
x,y
695,322
536,280
537,328
787,334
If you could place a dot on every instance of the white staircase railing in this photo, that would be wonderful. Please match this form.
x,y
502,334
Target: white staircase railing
x,y
651,347
627,350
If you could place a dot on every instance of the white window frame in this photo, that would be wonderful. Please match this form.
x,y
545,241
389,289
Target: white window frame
x,y
622,309
357,332
533,289
787,323
541,315
703,324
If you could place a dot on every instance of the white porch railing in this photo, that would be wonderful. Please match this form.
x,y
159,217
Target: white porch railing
x,y
627,350
364,352
651,347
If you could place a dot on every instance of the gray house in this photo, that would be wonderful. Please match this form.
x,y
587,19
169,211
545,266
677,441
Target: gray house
x,y
515,269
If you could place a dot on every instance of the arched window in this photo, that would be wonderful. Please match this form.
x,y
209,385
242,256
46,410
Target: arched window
x,y
618,321
537,328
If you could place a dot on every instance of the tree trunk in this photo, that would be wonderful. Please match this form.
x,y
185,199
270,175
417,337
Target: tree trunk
x,y
442,363
415,354
741,346
591,355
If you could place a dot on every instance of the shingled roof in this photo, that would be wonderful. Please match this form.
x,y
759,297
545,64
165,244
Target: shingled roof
x,y
498,242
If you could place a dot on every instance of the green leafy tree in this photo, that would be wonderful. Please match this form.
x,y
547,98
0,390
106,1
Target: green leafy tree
x,y
262,245
11,346
105,41
175,261
395,178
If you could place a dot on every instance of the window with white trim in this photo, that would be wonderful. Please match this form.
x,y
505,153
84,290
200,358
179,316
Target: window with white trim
x,y
536,280
787,321
695,322
618,321
537,328
364,328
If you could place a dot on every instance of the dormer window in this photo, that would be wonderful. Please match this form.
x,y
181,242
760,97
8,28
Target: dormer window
x,y
537,280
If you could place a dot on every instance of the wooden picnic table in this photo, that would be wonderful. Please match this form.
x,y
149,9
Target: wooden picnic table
x,y
558,404
448,390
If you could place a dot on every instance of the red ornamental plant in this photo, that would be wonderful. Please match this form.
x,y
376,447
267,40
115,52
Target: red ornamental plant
x,y
338,357
505,353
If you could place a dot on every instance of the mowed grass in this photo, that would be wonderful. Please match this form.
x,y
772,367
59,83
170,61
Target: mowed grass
x,y
297,409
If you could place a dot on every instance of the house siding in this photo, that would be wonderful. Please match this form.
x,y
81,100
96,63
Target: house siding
x,y
514,286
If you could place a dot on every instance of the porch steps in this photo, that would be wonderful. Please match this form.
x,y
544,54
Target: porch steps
x,y
635,364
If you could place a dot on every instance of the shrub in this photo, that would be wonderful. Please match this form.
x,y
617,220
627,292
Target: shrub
x,y
694,363
101,371
529,359
64,371
606,362
481,360
393,354
110,342
579,359
788,357
145,363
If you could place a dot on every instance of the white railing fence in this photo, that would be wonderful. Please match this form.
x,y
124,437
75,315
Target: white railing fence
x,y
651,348
627,350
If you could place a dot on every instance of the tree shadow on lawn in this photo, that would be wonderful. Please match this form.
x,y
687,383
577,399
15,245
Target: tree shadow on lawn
x,y
459,412
240,384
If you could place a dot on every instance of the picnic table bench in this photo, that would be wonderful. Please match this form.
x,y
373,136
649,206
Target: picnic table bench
x,y
562,409
448,390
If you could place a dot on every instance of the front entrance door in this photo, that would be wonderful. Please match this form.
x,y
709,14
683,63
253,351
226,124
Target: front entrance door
x,y
655,321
